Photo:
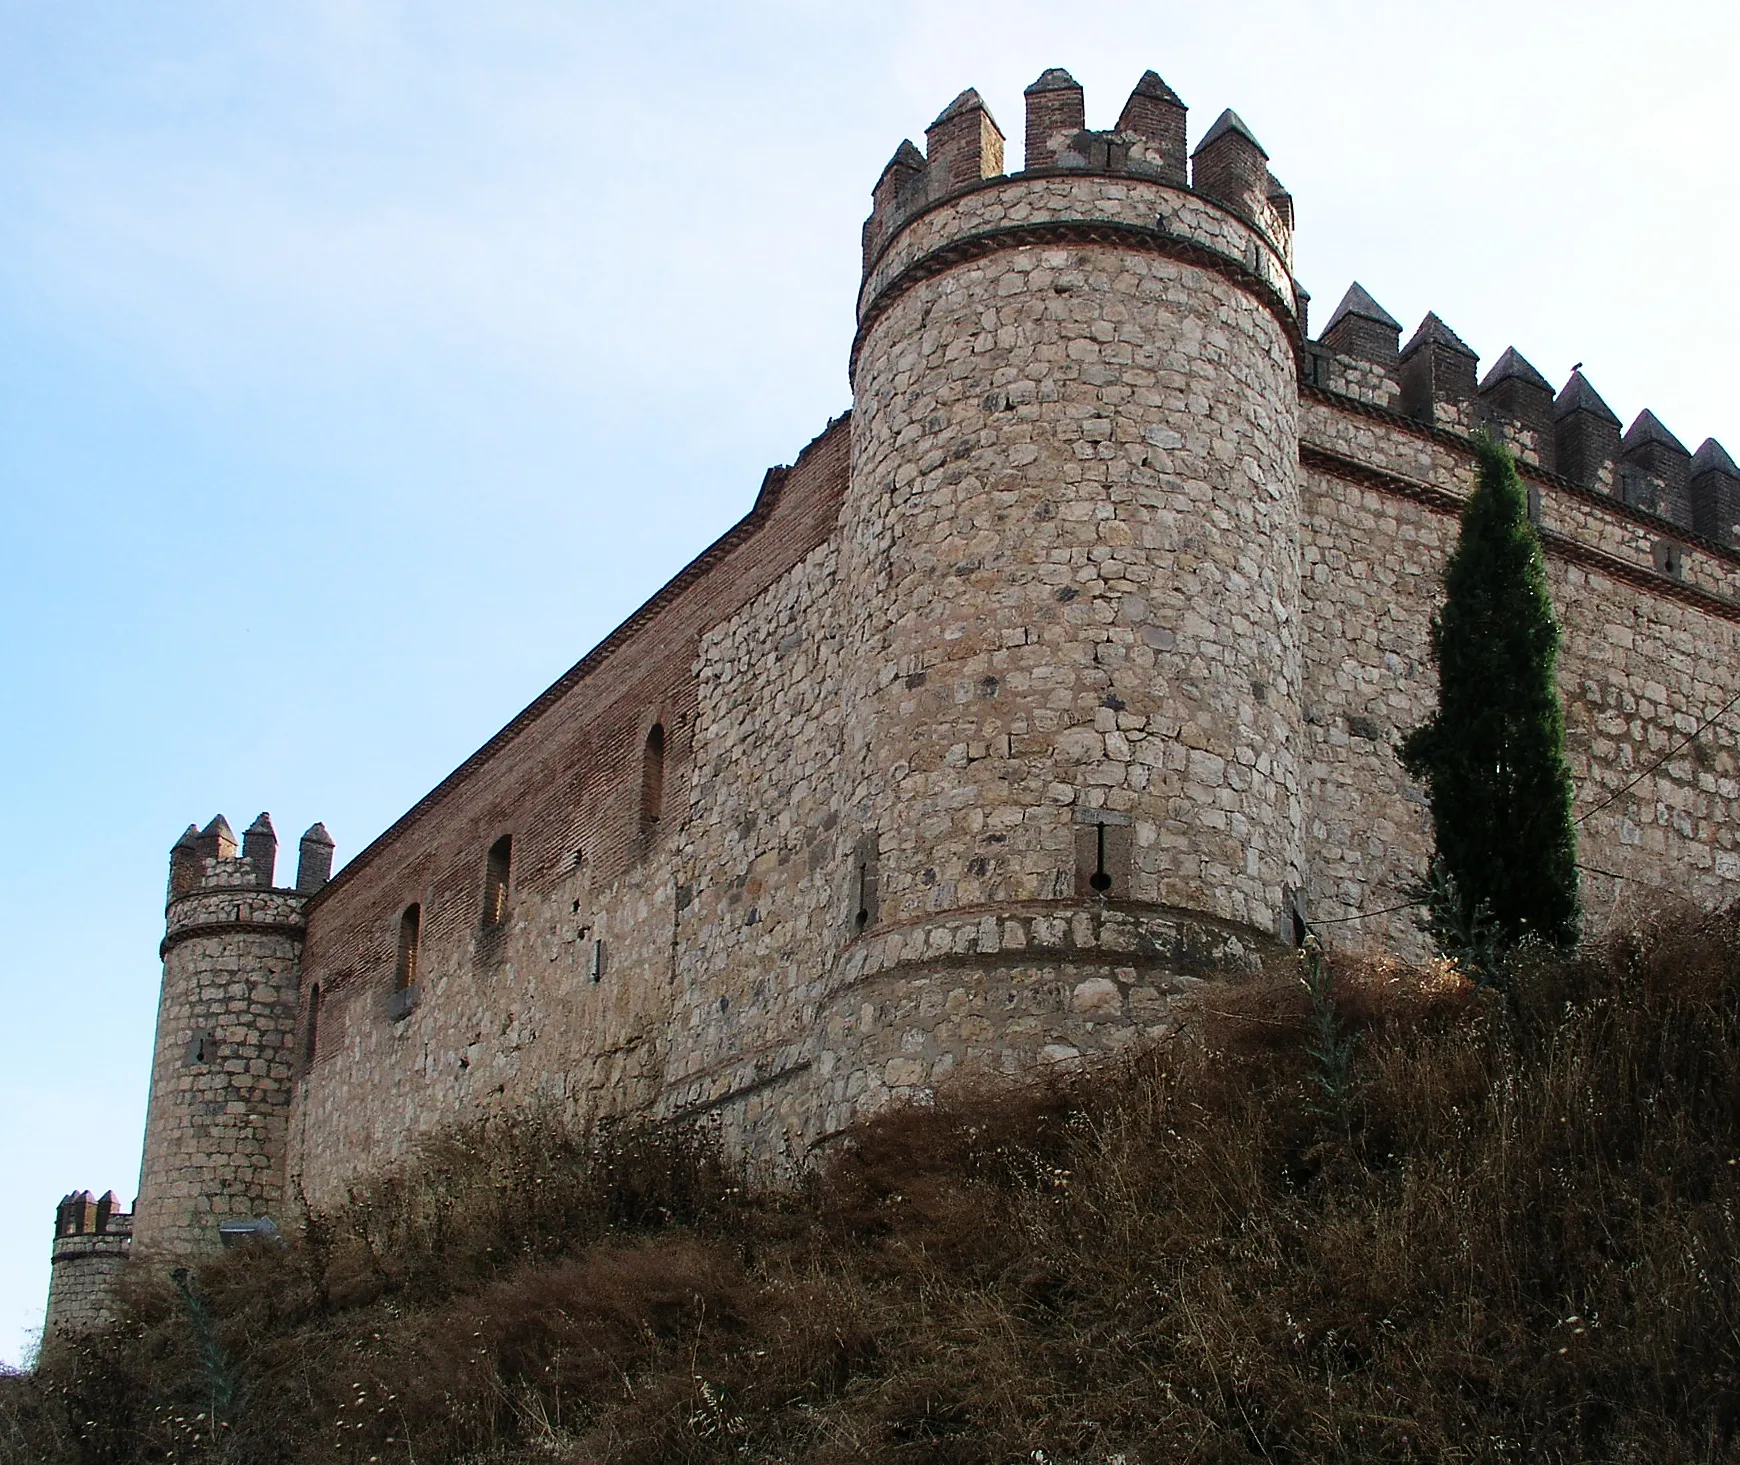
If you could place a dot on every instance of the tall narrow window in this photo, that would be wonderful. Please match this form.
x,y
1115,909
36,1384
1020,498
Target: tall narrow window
x,y
311,1034
410,935
495,880
652,779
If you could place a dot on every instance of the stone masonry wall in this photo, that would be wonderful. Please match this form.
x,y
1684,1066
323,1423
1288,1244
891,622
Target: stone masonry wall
x,y
1063,676
766,860
1647,658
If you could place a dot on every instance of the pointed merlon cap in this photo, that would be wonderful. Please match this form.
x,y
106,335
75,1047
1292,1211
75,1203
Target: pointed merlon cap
x,y
1513,365
967,101
260,844
1229,122
906,157
964,144
1358,303
1579,396
1433,332
1647,429
314,860
215,841
1712,457
1277,189
184,862
1155,90
1052,79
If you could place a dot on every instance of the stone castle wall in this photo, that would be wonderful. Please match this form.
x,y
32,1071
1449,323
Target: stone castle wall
x,y
1062,676
82,1285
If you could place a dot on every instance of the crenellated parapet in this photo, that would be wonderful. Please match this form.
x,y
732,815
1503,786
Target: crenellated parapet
x,y
1572,434
964,155
207,859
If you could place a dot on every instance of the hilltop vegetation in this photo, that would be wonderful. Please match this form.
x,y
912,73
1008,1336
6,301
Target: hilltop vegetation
x,y
1491,1229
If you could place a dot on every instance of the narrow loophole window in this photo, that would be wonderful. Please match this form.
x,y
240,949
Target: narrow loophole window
x,y
865,882
410,937
1102,860
652,779
311,1034
497,868
1101,880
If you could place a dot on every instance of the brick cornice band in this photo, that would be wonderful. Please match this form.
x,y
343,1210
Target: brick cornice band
x,y
175,938
1530,472
969,247
1561,546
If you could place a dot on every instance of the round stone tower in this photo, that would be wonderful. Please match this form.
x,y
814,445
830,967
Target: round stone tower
x,y
223,1068
1073,533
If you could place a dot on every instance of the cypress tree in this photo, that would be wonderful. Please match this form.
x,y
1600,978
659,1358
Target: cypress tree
x,y
1493,754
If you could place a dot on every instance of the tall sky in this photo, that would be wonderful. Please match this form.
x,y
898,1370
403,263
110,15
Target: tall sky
x,y
365,362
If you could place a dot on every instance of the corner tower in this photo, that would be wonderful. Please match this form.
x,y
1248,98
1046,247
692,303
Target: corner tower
x,y
1073,530
223,1067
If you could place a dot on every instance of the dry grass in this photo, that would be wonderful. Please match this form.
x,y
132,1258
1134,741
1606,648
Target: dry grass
x,y
1520,1243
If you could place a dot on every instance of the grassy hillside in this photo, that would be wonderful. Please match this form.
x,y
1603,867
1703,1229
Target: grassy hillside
x,y
1500,1231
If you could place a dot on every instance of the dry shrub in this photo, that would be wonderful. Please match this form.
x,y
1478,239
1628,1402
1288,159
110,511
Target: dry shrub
x,y
1520,1241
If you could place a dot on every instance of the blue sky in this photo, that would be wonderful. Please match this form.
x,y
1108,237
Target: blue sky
x,y
365,362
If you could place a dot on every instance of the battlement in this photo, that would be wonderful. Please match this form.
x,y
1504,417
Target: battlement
x,y
79,1219
964,150
1571,433
206,859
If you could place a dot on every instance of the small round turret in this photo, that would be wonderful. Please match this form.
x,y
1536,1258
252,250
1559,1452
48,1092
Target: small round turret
x,y
222,1073
91,1240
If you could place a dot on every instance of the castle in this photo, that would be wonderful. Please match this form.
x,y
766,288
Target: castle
x,y
1063,673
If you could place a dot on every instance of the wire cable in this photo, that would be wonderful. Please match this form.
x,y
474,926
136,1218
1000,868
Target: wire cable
x,y
1388,910
1678,747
